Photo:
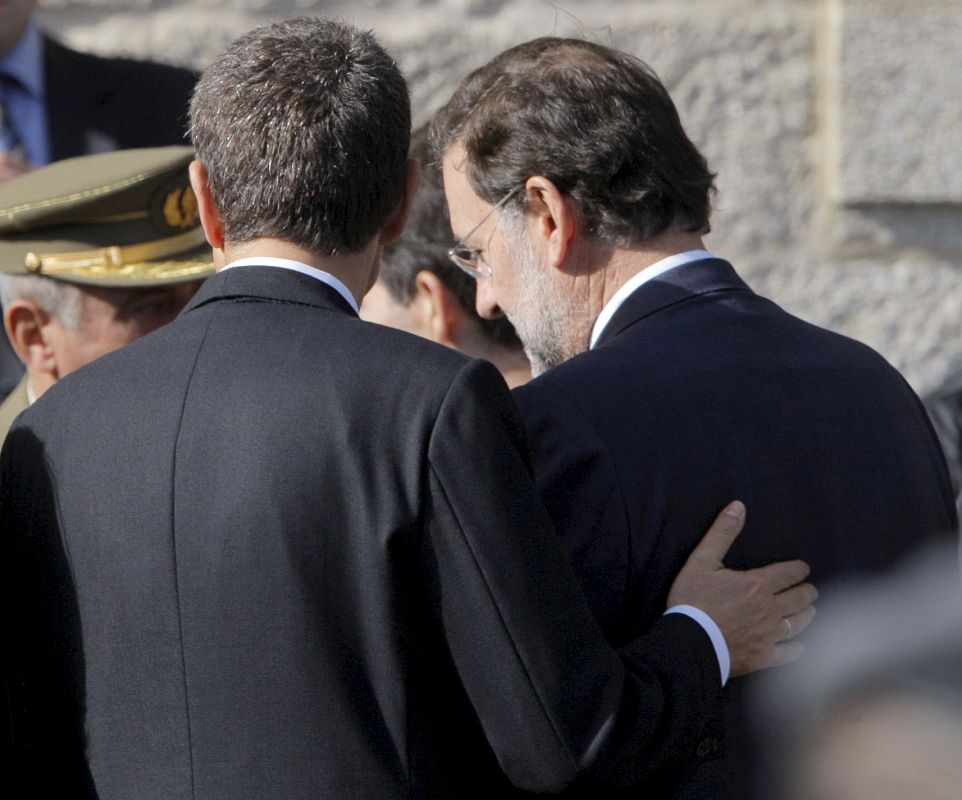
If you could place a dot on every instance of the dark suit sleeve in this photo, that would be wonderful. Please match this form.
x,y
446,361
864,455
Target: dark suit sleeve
x,y
577,482
113,102
553,698
43,673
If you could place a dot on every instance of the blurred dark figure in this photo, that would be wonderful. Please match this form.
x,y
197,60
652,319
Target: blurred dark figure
x,y
876,704
945,411
421,291
56,103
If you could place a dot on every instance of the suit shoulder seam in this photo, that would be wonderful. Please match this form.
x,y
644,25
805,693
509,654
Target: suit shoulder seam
x,y
173,530
501,619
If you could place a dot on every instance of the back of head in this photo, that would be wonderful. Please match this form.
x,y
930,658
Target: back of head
x,y
595,121
303,127
424,246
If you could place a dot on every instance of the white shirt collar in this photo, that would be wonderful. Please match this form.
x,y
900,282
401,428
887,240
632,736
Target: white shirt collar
x,y
648,273
297,266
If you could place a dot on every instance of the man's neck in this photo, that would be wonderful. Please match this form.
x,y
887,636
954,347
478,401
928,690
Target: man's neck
x,y
356,271
624,263
37,383
515,368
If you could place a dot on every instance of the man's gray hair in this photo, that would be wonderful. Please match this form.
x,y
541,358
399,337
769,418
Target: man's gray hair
x,y
58,298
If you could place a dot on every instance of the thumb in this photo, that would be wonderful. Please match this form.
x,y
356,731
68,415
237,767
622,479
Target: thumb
x,y
716,543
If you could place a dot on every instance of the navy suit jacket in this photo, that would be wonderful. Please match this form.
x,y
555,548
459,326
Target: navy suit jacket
x,y
699,392
96,103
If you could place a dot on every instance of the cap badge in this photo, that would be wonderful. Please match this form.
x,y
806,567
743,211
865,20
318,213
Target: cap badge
x,y
180,208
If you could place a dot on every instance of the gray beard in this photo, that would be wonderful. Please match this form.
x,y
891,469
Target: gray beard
x,y
539,336
545,324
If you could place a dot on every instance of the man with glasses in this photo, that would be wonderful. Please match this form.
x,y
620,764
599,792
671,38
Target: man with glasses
x,y
665,384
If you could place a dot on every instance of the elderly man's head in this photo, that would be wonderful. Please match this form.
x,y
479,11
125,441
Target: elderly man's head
x,y
95,252
57,327
584,149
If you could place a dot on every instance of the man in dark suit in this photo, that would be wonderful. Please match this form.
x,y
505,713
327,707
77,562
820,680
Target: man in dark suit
x,y
59,103
316,565
667,385
56,103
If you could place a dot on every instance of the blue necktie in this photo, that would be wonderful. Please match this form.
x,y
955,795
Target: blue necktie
x,y
10,140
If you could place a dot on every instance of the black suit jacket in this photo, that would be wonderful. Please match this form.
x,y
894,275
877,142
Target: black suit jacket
x,y
273,551
698,392
96,104
93,102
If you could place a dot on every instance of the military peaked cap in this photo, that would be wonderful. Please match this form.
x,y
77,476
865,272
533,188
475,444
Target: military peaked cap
x,y
126,218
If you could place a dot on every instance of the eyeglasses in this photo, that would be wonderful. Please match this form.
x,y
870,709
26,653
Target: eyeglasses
x,y
470,260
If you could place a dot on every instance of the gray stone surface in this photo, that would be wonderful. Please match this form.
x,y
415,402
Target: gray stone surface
x,y
900,121
833,125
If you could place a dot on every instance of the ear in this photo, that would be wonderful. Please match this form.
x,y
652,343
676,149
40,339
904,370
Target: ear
x,y
26,325
551,220
395,224
209,213
439,308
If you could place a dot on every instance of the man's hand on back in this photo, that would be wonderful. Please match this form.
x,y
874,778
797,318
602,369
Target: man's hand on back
x,y
758,610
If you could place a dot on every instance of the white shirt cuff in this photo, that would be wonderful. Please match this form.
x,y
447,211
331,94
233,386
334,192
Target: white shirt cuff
x,y
714,633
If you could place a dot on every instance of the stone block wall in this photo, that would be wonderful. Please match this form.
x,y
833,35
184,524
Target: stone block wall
x,y
835,127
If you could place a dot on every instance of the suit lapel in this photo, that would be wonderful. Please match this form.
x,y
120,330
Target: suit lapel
x,y
81,104
674,286
67,95
270,284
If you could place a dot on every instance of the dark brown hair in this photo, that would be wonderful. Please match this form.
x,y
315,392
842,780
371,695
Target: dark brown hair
x,y
304,128
595,121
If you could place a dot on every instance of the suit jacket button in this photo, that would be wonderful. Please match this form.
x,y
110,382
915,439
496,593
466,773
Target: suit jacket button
x,y
706,747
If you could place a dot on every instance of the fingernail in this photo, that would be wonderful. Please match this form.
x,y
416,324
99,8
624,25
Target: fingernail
x,y
735,509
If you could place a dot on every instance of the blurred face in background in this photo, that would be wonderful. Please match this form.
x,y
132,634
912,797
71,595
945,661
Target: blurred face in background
x,y
890,748
380,307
